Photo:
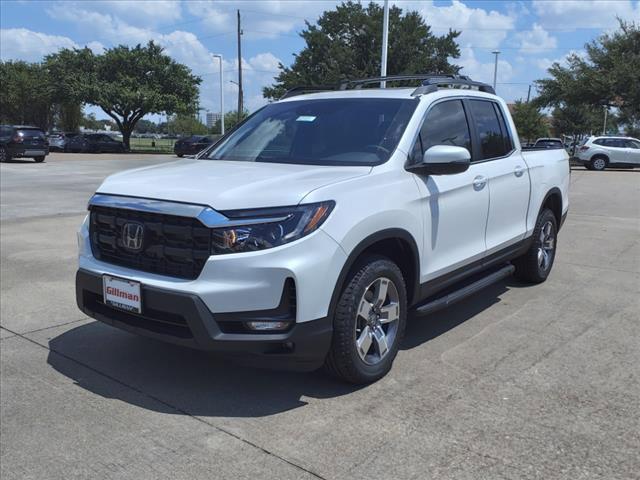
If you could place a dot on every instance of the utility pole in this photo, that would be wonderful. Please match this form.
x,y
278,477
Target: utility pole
x,y
385,43
219,56
240,107
495,68
529,93
604,127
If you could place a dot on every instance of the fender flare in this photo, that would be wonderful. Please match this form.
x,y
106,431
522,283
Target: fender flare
x,y
386,234
556,192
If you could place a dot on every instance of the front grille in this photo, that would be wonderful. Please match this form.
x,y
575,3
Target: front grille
x,y
172,245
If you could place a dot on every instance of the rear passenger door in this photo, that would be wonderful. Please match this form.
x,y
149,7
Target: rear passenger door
x,y
455,207
506,173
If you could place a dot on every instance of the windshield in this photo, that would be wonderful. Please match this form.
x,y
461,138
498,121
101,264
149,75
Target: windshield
x,y
345,131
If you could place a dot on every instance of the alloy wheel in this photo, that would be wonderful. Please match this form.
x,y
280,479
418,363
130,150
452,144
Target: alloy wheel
x,y
547,246
377,321
599,164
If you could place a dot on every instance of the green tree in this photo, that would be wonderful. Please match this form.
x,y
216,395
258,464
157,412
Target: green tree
x,y
68,116
346,43
609,75
127,83
569,119
530,121
186,125
25,94
146,126
230,120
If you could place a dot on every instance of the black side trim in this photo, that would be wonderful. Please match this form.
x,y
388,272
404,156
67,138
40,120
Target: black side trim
x,y
432,287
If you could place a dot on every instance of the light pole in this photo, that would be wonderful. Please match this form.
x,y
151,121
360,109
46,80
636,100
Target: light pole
x,y
385,43
495,68
219,57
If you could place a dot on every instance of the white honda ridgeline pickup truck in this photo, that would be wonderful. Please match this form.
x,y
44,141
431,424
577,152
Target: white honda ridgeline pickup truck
x,y
305,236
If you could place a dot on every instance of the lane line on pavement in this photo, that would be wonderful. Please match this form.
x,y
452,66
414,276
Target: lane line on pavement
x,y
166,404
47,328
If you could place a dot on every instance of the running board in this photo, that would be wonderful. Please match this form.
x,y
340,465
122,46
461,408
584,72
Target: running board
x,y
465,291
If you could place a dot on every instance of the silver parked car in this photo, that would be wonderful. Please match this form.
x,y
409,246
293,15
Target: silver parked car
x,y
598,153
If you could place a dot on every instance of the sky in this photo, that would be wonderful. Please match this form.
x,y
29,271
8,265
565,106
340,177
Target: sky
x,y
530,35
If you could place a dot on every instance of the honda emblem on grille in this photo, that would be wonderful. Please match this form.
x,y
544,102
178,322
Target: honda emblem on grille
x,y
132,236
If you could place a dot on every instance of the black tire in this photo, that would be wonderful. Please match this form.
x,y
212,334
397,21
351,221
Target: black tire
x,y
180,155
343,359
599,163
529,267
4,155
39,159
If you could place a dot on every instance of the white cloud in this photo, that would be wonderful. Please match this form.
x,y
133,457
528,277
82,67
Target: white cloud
x,y
545,63
483,71
263,19
480,28
23,44
535,40
597,14
147,12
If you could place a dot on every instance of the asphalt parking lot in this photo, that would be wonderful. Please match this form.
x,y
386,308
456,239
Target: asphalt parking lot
x,y
516,382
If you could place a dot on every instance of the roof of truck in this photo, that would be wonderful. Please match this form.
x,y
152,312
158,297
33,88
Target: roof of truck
x,y
407,93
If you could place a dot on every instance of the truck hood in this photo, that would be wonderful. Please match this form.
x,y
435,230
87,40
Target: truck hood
x,y
226,185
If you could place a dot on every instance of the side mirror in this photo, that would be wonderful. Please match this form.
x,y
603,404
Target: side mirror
x,y
443,160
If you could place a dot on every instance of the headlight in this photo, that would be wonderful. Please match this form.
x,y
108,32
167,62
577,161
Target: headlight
x,y
259,229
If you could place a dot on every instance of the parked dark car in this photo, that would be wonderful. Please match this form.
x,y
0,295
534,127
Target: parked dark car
x,y
57,140
191,145
19,141
94,143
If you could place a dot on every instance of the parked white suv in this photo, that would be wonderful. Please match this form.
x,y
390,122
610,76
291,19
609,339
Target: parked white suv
x,y
598,153
304,237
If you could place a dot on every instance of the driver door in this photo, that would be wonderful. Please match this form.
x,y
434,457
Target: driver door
x,y
455,207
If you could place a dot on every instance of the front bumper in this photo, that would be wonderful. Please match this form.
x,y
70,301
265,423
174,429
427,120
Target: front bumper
x,y
184,319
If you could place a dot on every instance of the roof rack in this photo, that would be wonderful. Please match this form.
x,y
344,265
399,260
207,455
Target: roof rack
x,y
292,92
430,83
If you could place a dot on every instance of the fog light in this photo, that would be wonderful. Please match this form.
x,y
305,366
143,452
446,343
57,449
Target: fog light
x,y
264,326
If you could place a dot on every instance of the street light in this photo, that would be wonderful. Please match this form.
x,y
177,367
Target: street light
x,y
219,57
385,43
495,68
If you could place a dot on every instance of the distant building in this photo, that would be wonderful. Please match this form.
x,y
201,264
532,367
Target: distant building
x,y
212,118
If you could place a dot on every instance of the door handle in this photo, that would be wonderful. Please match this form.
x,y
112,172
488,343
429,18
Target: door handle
x,y
518,171
479,182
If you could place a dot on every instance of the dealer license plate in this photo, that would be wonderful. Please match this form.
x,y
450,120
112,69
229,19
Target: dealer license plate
x,y
122,293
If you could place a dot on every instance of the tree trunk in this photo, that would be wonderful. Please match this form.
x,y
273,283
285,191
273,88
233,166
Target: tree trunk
x,y
126,135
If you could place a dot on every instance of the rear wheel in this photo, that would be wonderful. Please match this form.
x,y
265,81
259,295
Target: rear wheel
x,y
535,265
4,155
369,321
598,163
39,159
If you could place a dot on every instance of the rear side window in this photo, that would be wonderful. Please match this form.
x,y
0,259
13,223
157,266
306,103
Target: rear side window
x,y
494,139
445,124
6,131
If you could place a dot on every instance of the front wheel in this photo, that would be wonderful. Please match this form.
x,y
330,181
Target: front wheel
x,y
4,155
39,159
535,265
369,321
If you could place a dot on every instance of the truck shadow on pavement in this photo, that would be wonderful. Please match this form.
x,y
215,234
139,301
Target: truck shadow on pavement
x,y
171,379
